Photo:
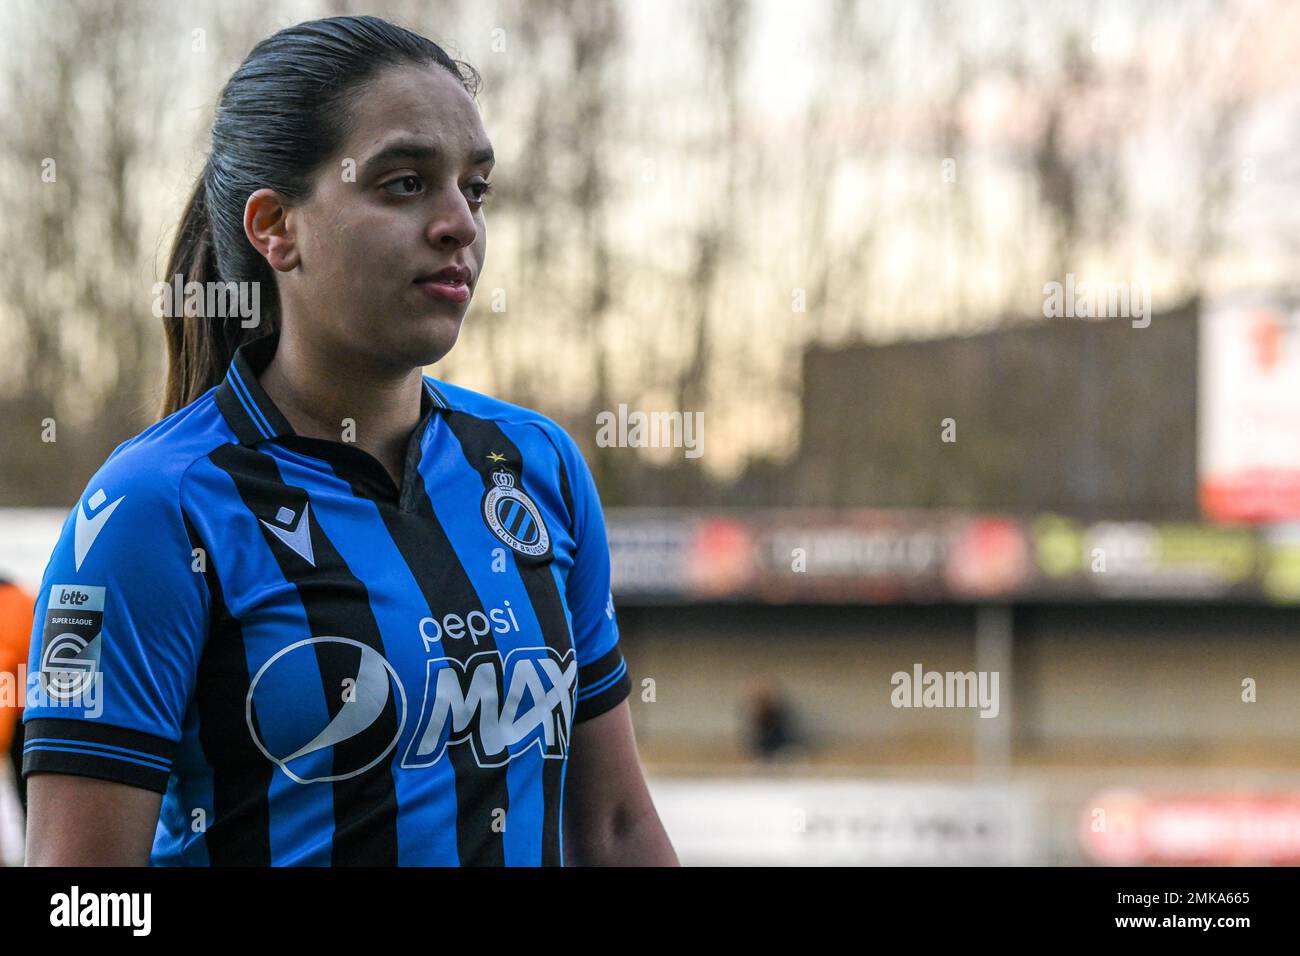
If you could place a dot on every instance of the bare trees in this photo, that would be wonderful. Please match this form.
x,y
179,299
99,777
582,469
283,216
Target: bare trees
x,y
687,193
74,280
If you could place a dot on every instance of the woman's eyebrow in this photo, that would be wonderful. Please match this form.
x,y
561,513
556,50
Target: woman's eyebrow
x,y
420,150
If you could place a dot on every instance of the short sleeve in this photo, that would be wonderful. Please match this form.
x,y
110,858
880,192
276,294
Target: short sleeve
x,y
603,680
120,623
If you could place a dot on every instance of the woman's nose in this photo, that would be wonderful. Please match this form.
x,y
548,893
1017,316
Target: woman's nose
x,y
454,221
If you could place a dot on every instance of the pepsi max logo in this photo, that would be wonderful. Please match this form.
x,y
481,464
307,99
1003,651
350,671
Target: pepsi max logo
x,y
326,708
499,707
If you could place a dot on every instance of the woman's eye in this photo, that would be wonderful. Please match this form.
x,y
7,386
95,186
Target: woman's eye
x,y
485,187
414,182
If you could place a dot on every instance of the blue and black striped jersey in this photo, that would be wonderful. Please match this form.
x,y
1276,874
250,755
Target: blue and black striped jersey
x,y
315,666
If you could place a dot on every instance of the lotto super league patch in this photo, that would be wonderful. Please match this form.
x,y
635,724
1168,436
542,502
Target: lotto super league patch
x,y
70,643
514,517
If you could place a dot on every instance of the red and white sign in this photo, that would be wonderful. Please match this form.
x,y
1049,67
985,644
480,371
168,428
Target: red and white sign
x,y
1126,828
1249,425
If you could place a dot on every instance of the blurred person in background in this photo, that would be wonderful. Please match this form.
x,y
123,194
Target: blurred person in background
x,y
294,618
772,727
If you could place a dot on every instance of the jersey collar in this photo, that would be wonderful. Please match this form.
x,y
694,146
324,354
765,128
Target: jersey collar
x,y
249,410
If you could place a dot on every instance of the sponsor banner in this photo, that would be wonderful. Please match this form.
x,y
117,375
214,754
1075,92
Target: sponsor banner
x,y
871,556
650,553
1128,827
745,822
1248,446
1136,559
794,556
883,557
1280,574
987,557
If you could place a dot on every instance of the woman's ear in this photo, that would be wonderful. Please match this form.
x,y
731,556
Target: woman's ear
x,y
266,224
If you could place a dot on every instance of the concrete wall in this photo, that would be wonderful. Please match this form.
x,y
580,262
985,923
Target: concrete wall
x,y
1102,683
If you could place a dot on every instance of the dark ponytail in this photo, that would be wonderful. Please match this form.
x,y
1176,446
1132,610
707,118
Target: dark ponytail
x,y
199,350
281,114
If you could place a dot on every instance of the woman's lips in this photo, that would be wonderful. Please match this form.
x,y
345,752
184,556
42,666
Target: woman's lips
x,y
448,290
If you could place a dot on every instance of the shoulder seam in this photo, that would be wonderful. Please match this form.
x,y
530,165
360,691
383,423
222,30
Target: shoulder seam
x,y
529,416
544,424
180,508
564,477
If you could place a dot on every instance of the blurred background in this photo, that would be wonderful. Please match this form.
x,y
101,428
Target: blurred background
x,y
938,363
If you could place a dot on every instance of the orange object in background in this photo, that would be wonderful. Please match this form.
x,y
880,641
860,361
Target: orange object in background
x,y
17,608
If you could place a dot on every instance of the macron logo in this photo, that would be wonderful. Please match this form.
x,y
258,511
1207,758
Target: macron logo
x,y
299,539
88,528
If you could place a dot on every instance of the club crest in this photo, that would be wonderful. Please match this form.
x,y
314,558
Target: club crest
x,y
514,518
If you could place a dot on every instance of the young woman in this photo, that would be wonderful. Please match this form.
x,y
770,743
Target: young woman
x,y
329,610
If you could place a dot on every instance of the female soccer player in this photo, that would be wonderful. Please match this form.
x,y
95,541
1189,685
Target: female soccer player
x,y
330,610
